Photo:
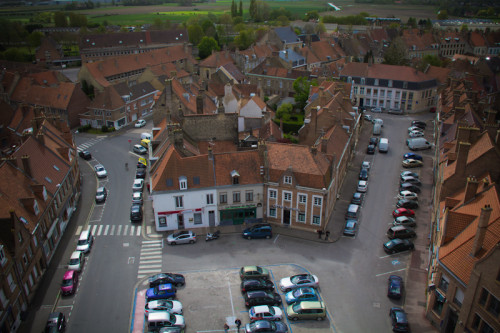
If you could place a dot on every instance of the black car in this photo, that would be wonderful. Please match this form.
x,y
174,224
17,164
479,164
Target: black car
x,y
260,297
350,227
357,198
418,123
136,213
398,245
141,166
163,278
55,323
395,287
399,320
140,173
370,149
256,284
373,141
407,203
85,154
409,187
363,174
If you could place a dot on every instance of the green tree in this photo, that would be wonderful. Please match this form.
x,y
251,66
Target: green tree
x,y
396,53
284,111
320,28
464,28
225,23
283,20
442,14
209,28
262,12
34,39
244,39
77,20
301,86
60,19
195,33
412,22
206,45
312,15
240,13
431,60
253,9
157,24
234,11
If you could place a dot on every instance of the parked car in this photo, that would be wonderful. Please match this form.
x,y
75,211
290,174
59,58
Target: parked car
x,y
56,323
140,123
410,163
159,320
299,280
411,180
414,128
412,156
350,227
85,154
368,118
366,165
267,312
362,186
266,326
370,150
136,213
409,173
263,230
76,261
403,212
407,203
137,198
141,165
363,174
262,297
69,282
306,310
256,284
162,291
416,134
253,272
140,150
377,110
409,187
140,173
163,305
398,245
181,237
357,198
301,294
163,278
395,287
404,220
419,123
408,195
85,241
399,320
400,232
373,141
138,185
100,171
101,194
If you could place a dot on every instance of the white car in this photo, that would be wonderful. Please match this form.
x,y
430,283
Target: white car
x,y
138,185
140,150
140,123
362,186
100,171
377,110
174,307
414,128
137,198
260,312
299,280
407,195
366,165
76,261
416,134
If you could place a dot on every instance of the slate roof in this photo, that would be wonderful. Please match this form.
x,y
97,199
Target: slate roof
x,y
136,91
139,39
286,35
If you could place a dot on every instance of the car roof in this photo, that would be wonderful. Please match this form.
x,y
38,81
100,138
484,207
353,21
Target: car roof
x,y
75,254
69,274
100,189
311,304
261,308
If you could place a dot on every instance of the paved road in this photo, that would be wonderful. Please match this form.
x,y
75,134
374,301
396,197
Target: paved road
x,y
352,271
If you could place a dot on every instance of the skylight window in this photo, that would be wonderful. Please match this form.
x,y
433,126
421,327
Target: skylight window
x,y
48,179
55,167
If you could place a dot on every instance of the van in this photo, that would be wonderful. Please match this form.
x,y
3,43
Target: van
x,y
258,231
377,129
145,143
418,144
378,121
352,212
146,136
400,231
85,241
306,310
157,320
383,145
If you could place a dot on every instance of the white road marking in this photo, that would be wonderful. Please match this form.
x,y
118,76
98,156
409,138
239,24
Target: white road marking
x,y
106,229
118,233
78,230
398,270
112,232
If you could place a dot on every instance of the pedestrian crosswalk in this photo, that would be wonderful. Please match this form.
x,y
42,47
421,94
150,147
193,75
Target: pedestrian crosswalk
x,y
112,230
89,143
150,260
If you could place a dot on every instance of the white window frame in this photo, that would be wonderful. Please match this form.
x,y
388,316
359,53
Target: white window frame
x,y
287,196
183,185
287,179
273,194
299,214
271,210
3,258
318,218
210,199
317,201
179,201
302,196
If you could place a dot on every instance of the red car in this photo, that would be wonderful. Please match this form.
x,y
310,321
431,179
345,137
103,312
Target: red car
x,y
403,212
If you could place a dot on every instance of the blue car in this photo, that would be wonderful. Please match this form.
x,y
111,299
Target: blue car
x,y
258,231
162,291
301,294
412,156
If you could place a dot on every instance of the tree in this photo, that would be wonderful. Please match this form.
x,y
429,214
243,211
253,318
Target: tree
x,y
225,23
396,53
234,12
284,111
368,56
283,21
77,20
464,28
241,9
244,39
442,14
60,20
206,46
195,33
34,39
431,60
320,28
253,9
301,86
412,22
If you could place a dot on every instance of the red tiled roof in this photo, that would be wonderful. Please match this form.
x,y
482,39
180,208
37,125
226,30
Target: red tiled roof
x,y
382,71
246,163
53,96
216,60
477,39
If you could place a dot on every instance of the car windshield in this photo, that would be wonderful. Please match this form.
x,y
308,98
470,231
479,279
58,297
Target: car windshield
x,y
258,326
82,242
99,168
302,291
100,192
299,278
67,282
74,261
395,289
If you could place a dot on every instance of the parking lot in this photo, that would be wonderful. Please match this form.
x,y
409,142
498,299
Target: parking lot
x,y
212,298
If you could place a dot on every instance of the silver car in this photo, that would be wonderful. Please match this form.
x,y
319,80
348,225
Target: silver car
x,y
137,198
181,237
140,149
100,171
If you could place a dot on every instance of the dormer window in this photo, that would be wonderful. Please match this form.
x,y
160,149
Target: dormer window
x,y
236,177
376,82
44,194
288,179
183,183
35,208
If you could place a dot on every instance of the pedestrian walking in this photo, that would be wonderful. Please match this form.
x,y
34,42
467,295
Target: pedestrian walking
x,y
320,232
327,234
226,328
238,323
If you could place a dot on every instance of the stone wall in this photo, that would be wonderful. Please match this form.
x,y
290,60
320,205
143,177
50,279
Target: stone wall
x,y
222,127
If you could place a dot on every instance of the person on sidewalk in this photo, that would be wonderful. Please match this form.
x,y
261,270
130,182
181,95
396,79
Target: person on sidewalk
x,y
320,232
327,234
238,323
226,328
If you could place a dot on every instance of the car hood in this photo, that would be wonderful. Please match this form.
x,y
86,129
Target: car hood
x,y
179,320
286,282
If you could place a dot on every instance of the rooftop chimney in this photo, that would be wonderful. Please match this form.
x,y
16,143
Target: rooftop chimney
x,y
456,97
41,137
470,188
463,153
314,149
199,102
484,218
314,119
26,164
324,143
